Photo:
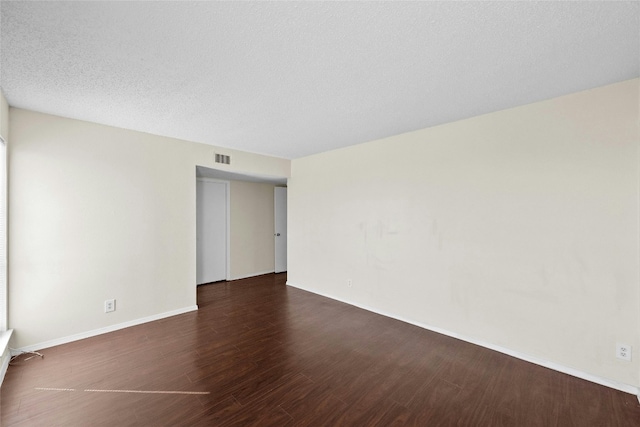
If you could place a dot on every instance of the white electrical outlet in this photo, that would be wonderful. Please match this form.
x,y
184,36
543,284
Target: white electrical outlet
x,y
349,283
623,351
109,305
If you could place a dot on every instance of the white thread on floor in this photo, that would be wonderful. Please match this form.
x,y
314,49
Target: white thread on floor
x,y
124,391
149,391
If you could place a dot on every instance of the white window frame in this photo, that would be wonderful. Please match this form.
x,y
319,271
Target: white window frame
x,y
3,237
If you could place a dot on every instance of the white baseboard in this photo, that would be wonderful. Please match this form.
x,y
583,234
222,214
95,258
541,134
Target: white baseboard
x,y
5,338
106,329
4,367
252,275
535,360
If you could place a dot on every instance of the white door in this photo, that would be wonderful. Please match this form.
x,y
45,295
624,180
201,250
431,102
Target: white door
x,y
280,203
211,231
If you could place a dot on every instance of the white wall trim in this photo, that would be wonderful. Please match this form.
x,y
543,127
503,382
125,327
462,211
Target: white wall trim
x,y
5,338
4,367
106,329
204,179
532,359
262,273
4,243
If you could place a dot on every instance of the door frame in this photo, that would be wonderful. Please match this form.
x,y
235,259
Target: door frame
x,y
227,232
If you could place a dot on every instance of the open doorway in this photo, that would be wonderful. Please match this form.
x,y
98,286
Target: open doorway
x,y
251,232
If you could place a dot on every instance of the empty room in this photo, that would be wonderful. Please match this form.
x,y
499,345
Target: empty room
x,y
319,213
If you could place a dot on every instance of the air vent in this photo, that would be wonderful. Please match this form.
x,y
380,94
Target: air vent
x,y
224,159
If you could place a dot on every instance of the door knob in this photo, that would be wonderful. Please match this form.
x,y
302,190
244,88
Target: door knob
x,y
277,234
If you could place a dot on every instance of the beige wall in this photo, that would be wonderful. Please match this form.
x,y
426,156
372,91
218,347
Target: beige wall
x,y
98,212
518,229
252,228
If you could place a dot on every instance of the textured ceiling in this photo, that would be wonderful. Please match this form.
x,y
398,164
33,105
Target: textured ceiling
x,y
291,79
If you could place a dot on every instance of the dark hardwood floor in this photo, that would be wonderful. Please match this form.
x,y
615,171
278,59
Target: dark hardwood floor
x,y
260,353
